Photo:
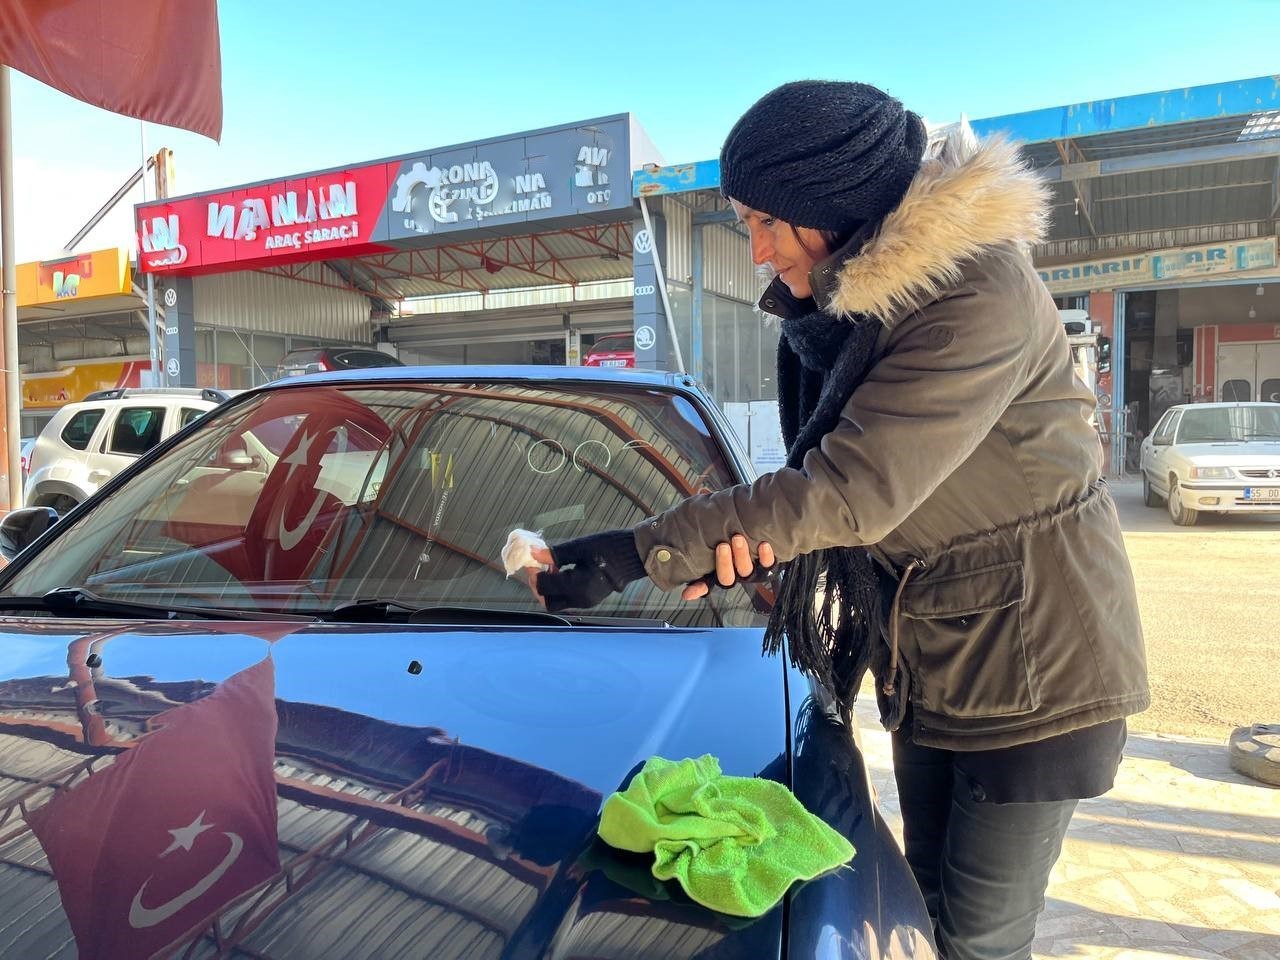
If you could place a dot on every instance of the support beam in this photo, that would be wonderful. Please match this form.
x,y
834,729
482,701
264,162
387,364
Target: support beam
x,y
1070,151
1275,192
1140,163
695,303
134,179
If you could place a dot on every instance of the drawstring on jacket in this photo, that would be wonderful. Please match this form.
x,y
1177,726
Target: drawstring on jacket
x,y
890,677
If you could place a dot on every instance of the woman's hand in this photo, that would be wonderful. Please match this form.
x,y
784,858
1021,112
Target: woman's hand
x,y
584,572
733,565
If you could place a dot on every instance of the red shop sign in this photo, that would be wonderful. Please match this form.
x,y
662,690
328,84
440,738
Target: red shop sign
x,y
287,220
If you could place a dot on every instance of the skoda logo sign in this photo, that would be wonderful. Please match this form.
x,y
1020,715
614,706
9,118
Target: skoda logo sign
x,y
1273,474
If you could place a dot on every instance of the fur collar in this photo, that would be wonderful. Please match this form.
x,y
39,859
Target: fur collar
x,y
967,197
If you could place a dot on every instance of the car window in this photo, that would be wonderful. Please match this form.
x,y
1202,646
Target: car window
x,y
1271,390
364,358
618,344
1229,424
303,499
136,430
189,415
300,358
79,429
1165,430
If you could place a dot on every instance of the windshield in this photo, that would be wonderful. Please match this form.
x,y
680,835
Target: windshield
x,y
307,498
1230,424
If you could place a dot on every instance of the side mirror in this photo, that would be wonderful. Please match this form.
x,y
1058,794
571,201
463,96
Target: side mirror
x,y
239,457
21,528
1161,441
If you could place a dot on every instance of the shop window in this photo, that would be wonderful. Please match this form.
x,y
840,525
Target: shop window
x,y
79,429
1237,391
136,430
235,371
268,351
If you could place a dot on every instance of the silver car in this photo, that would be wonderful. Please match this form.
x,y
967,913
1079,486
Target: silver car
x,y
87,443
1213,458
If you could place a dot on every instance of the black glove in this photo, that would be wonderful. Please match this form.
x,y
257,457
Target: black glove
x,y
597,566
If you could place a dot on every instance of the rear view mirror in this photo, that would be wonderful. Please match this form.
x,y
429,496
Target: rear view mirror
x,y
21,528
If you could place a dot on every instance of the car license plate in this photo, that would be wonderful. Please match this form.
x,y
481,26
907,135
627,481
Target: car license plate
x,y
1262,493
613,363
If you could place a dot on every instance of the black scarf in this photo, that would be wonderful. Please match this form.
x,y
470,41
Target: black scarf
x,y
821,361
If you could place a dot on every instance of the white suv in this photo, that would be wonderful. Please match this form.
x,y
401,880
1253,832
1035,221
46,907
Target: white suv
x,y
87,443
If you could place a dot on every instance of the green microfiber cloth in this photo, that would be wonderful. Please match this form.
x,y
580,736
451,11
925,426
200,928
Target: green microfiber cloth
x,y
735,844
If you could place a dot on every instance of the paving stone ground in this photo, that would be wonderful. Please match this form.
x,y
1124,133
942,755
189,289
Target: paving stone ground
x,y
1180,860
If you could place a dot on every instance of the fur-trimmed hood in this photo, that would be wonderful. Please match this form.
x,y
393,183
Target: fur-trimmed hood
x,y
967,197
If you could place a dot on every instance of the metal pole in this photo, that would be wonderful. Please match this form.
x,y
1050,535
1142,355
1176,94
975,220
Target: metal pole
x,y
1118,361
151,280
662,289
12,455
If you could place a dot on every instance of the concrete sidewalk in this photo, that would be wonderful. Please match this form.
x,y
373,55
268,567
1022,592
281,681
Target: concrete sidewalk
x,y
1181,859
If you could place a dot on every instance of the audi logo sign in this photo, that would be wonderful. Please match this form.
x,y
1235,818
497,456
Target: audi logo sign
x,y
646,290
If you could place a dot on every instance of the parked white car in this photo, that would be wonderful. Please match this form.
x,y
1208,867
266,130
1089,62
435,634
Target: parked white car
x,y
87,443
1213,458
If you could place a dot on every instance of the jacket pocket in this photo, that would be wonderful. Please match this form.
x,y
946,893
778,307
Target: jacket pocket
x,y
971,658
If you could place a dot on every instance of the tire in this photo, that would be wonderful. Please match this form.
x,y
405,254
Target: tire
x,y
1149,497
1255,752
1179,513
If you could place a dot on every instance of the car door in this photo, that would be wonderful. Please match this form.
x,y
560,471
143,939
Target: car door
x,y
1147,452
1162,451
131,430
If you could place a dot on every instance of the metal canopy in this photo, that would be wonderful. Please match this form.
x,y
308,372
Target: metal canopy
x,y
1176,167
573,255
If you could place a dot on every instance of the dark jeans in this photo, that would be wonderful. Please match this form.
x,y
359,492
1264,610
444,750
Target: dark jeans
x,y
983,867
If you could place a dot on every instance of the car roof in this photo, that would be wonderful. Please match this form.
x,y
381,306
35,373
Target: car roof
x,y
1224,405
510,373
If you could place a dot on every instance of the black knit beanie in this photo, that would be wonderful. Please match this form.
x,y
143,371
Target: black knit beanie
x,y
823,154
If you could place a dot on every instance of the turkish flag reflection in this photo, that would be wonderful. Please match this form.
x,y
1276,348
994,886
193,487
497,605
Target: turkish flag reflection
x,y
178,826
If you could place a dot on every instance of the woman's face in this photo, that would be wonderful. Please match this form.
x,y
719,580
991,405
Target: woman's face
x,y
790,252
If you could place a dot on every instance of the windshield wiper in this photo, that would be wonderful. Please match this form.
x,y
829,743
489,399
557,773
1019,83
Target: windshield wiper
x,y
77,601
397,611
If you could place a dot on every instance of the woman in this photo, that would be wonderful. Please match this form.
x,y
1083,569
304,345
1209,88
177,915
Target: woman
x,y
942,497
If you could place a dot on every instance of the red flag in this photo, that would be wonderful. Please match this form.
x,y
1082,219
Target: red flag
x,y
155,62
175,828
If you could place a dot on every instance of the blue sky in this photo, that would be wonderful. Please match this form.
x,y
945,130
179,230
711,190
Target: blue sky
x,y
320,83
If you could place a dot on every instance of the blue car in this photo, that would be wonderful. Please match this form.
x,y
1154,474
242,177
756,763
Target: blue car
x,y
270,693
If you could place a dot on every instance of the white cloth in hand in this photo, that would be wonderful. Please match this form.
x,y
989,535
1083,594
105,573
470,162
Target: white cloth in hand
x,y
518,553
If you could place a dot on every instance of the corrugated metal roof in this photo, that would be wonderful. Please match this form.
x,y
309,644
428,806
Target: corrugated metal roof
x,y
1166,199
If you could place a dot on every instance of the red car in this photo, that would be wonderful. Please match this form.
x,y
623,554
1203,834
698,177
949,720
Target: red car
x,y
614,350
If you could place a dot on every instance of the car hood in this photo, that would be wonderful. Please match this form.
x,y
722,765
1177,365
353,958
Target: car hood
x,y
1256,453
431,791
